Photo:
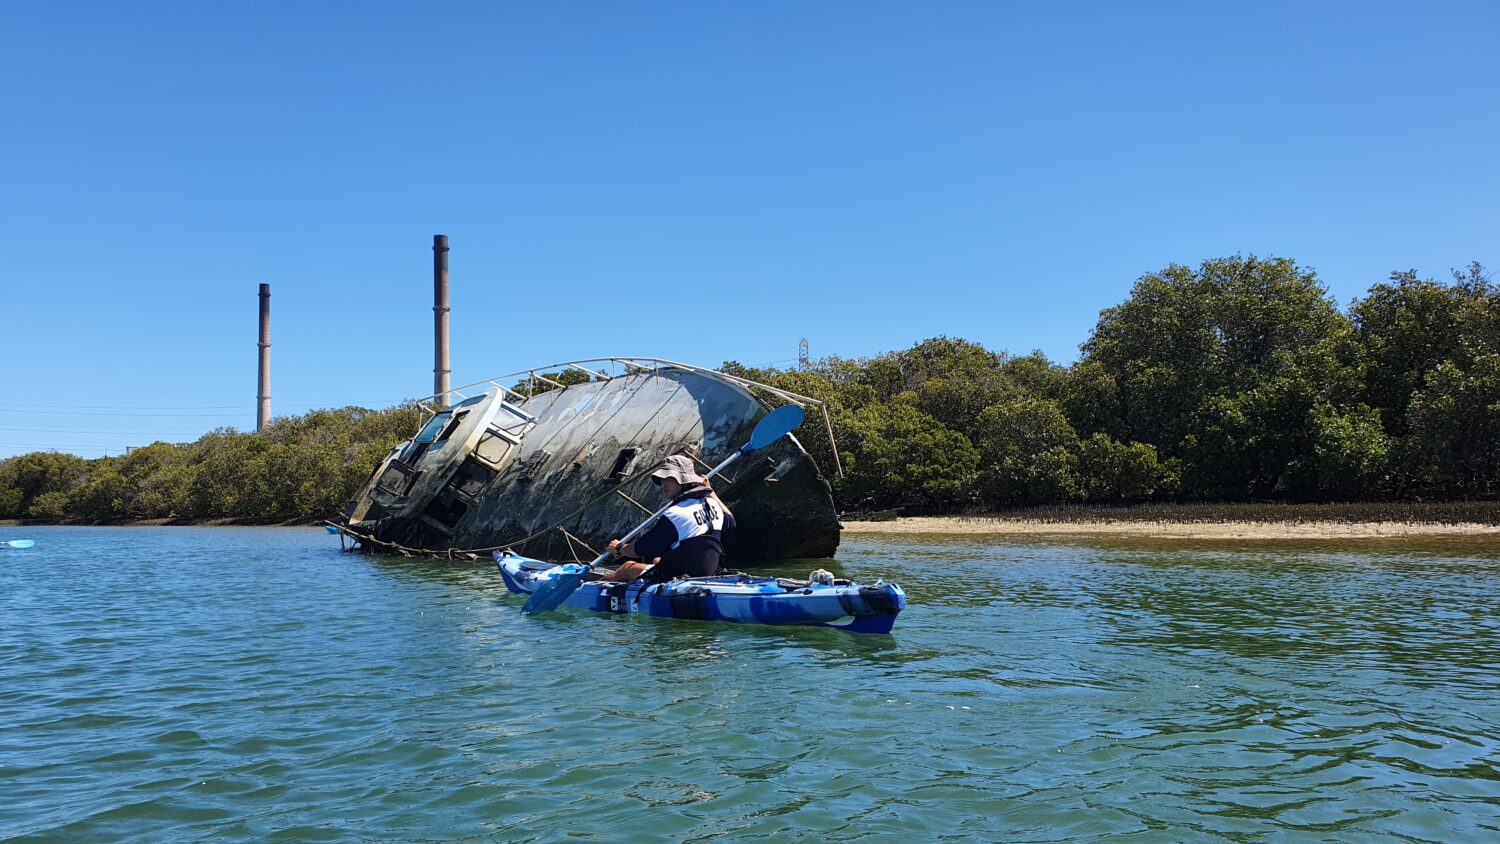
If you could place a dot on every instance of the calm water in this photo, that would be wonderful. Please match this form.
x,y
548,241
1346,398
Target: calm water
x,y
161,684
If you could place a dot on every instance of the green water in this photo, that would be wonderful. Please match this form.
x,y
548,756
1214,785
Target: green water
x,y
161,684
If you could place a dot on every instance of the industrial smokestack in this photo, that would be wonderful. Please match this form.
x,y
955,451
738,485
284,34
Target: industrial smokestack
x,y
263,395
440,370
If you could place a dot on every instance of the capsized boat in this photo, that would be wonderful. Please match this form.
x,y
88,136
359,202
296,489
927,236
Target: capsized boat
x,y
740,598
558,465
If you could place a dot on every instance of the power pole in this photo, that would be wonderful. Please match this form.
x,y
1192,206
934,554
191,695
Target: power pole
x,y
802,354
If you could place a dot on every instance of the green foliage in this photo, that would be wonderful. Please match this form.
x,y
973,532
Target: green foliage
x,y
1455,430
1351,454
1236,380
1222,367
105,493
39,475
49,505
1407,327
1111,471
1029,454
11,500
900,456
301,466
1429,349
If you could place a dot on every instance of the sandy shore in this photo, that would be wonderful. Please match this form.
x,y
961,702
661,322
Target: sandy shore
x,y
988,526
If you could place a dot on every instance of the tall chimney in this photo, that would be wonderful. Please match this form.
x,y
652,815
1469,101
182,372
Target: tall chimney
x,y
263,395
440,370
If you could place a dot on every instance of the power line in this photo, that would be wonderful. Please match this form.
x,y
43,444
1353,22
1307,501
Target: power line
x,y
154,415
82,431
86,413
62,445
132,406
49,406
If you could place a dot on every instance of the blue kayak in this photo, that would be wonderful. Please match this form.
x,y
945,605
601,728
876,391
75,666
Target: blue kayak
x,y
739,598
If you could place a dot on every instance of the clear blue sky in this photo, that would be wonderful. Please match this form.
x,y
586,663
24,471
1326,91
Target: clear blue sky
x,y
864,174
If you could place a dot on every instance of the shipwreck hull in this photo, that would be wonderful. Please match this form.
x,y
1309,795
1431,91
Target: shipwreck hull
x,y
558,474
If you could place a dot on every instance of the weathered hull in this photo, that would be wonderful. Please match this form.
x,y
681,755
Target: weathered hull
x,y
500,475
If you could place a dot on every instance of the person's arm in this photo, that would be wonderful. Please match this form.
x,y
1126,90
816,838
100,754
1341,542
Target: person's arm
x,y
650,544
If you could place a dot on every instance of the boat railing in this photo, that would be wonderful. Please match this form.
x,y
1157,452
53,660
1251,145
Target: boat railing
x,y
631,365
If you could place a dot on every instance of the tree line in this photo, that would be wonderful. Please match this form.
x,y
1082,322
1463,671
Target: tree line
x,y
299,467
1238,380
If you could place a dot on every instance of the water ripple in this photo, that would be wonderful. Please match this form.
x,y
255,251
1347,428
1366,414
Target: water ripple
x,y
257,685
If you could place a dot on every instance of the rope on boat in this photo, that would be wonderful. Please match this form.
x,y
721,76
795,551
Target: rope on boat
x,y
644,508
369,540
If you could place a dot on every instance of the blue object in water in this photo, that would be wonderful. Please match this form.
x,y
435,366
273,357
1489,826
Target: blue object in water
x,y
739,598
18,543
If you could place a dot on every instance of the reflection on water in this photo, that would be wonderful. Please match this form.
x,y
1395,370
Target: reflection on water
x,y
238,684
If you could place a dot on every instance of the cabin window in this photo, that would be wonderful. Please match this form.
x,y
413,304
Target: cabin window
x,y
397,479
457,420
446,509
430,430
492,448
512,421
471,478
622,464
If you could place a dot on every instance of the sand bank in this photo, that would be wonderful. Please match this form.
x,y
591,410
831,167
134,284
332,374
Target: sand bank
x,y
999,526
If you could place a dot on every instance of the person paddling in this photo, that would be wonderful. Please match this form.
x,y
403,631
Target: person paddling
x,y
688,536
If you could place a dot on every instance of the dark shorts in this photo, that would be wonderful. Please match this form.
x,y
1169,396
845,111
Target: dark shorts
x,y
697,557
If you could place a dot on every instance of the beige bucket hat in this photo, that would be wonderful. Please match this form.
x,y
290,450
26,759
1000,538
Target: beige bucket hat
x,y
679,468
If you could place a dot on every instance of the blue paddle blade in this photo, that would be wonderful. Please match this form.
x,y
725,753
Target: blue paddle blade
x,y
550,595
21,543
773,426
331,529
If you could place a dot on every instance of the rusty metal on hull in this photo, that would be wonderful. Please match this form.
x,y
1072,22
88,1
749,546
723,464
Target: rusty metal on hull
x,y
497,468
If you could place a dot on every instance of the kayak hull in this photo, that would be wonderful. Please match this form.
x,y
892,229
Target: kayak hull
x,y
735,598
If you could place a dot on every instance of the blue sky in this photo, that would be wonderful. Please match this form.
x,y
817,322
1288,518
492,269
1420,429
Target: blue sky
x,y
742,175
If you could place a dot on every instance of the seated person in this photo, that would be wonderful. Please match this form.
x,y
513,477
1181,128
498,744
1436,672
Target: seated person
x,y
686,541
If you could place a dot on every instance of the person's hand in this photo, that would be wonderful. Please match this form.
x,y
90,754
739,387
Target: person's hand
x,y
613,547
